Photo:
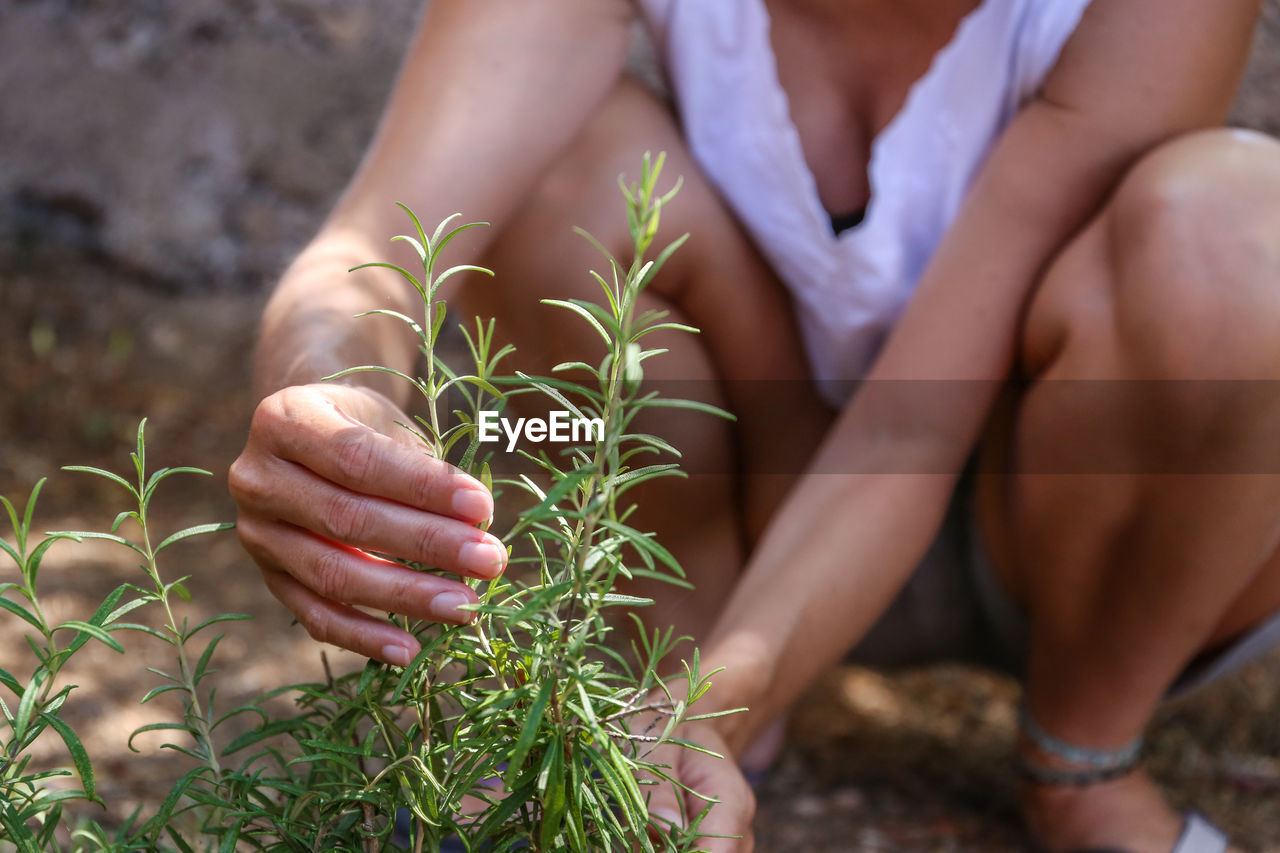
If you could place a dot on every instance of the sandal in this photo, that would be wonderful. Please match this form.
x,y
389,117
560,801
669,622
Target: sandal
x,y
1198,835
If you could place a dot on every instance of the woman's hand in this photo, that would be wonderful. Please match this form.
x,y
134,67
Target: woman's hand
x,y
326,477
712,778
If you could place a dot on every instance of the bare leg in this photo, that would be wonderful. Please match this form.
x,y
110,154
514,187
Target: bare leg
x,y
1141,524
717,283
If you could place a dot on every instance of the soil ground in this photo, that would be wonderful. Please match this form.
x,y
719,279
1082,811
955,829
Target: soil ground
x,y
917,761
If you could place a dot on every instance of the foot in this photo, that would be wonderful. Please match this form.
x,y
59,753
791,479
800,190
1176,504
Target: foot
x,y
1128,813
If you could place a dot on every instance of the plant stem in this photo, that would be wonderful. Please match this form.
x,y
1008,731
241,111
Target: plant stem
x,y
194,713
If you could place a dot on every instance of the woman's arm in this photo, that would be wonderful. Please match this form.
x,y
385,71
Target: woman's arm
x,y
490,92
1136,72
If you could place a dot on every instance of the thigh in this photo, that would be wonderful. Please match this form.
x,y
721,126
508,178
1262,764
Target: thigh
x,y
717,280
748,356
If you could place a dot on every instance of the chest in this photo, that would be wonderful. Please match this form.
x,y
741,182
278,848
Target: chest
x,y
847,70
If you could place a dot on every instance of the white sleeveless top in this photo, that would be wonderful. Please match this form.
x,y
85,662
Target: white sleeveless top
x,y
849,289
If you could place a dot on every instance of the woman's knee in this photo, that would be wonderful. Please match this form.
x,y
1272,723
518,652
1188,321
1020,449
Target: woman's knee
x,y
1179,276
1193,235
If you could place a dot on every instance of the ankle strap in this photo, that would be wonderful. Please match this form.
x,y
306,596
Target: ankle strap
x,y
1096,765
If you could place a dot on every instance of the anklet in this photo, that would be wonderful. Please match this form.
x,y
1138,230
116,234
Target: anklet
x,y
1099,765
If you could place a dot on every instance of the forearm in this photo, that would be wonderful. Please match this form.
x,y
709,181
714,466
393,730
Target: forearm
x,y
489,94
819,590
308,331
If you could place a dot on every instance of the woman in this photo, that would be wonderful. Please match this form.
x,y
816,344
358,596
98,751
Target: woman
x,y
1045,199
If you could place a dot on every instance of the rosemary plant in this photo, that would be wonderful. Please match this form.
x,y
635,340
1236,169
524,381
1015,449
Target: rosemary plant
x,y
30,809
515,732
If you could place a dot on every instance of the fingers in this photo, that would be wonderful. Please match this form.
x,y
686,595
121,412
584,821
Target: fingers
x,y
297,496
321,477
730,817
337,573
713,778
323,435
330,622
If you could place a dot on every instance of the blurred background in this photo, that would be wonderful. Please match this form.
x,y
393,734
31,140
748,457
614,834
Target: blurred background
x,y
160,162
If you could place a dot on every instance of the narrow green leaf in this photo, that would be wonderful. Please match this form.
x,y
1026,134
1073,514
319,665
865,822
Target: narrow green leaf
x,y
231,838
122,516
452,271
442,311
585,314
675,403
203,663
101,615
16,830
177,839
115,478
365,751
271,729
91,534
52,823
371,668
441,242
145,629
573,365
17,526
154,727
373,368
616,598
656,265
420,249
551,784
93,630
529,733
161,818
36,557
422,235
27,704
22,613
500,815
78,753
110,620
553,394
8,680
401,271
558,491
31,502
198,530
165,473
214,620
156,691
645,473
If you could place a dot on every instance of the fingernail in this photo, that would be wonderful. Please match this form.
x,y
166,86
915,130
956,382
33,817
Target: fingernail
x,y
446,604
484,558
472,504
398,655
667,817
